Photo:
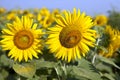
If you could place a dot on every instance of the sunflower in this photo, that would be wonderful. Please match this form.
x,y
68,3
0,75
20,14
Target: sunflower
x,y
71,37
110,41
45,21
11,15
44,11
48,21
100,20
2,10
22,39
55,12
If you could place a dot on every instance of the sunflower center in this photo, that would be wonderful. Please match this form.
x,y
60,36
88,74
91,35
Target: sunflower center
x,y
99,21
23,39
69,37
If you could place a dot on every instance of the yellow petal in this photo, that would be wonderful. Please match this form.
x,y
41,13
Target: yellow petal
x,y
25,55
74,54
60,52
69,52
33,53
20,55
77,52
34,26
29,53
7,31
12,51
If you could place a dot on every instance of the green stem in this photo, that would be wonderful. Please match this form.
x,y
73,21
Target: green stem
x,y
95,51
57,73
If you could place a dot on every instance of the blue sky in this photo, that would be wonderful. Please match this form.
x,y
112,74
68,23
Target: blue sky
x,y
91,7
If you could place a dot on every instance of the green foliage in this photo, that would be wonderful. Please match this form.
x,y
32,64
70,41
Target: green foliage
x,y
86,70
108,61
114,18
25,70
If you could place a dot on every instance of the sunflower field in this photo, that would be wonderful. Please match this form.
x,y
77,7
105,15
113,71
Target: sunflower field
x,y
44,44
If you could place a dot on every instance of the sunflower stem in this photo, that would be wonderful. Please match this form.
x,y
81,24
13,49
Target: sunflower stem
x,y
95,51
93,60
19,78
57,73
64,68
64,76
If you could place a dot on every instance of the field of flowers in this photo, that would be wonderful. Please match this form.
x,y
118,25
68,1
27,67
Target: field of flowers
x,y
44,44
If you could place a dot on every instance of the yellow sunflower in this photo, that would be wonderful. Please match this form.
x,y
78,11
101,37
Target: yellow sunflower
x,y
110,41
11,15
22,39
100,20
48,20
70,37
44,11
2,10
55,12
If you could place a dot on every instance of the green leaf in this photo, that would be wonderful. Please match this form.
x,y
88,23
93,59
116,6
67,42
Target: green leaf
x,y
4,73
87,70
108,76
44,64
108,61
117,77
26,70
84,70
1,77
103,67
5,60
79,73
42,77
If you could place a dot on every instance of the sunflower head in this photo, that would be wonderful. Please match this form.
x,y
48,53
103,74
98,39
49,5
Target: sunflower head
x,y
22,38
71,37
2,10
55,12
11,15
100,20
110,41
48,21
44,11
25,12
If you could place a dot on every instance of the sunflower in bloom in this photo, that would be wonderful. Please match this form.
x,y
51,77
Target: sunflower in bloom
x,y
11,15
2,10
45,20
48,20
110,41
71,37
100,20
44,11
22,38
55,12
